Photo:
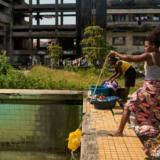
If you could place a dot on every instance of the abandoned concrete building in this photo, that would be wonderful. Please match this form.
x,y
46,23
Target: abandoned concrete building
x,y
5,15
27,24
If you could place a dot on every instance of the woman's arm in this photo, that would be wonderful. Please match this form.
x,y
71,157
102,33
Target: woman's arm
x,y
116,72
138,58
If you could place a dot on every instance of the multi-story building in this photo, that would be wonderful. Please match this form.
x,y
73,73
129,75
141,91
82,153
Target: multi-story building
x,y
125,24
5,25
129,22
36,22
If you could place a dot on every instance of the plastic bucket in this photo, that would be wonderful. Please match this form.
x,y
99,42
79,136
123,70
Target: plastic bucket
x,y
74,140
120,92
99,90
104,104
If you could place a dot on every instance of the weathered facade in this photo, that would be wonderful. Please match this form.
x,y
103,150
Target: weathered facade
x,y
125,24
5,25
129,22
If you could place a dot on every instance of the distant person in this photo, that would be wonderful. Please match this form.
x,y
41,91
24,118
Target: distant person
x,y
80,59
34,63
34,47
60,63
28,65
40,63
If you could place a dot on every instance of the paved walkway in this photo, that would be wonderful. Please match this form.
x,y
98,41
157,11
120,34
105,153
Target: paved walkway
x,y
97,145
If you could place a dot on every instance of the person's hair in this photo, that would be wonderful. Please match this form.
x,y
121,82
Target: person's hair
x,y
154,37
113,58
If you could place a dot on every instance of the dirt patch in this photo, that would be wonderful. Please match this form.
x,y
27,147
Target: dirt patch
x,y
26,72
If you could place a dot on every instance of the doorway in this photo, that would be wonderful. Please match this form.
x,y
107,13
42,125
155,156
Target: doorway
x,y
42,60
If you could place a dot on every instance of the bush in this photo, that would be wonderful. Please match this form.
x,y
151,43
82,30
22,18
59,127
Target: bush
x,y
44,78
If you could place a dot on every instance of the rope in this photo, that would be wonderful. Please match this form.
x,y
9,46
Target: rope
x,y
94,90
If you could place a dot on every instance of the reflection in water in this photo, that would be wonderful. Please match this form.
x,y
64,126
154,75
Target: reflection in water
x,y
74,156
38,131
12,155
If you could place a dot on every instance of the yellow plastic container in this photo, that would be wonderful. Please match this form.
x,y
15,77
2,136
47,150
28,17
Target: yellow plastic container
x,y
74,139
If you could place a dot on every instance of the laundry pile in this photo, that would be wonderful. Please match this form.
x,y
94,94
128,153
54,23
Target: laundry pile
x,y
147,130
152,146
103,98
113,85
43,16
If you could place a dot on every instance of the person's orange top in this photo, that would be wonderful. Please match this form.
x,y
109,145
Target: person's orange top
x,y
125,65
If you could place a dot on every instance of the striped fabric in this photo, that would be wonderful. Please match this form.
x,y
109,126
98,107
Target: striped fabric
x,y
145,103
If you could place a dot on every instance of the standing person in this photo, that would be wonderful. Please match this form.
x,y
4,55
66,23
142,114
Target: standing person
x,y
130,74
61,63
145,101
28,65
34,63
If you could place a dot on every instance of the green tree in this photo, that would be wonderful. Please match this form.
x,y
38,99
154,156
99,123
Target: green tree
x,y
96,47
55,53
4,64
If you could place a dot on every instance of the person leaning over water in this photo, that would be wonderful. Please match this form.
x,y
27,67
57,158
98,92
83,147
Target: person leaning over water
x,y
145,102
130,74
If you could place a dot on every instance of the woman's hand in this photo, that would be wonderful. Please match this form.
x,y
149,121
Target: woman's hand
x,y
112,80
112,54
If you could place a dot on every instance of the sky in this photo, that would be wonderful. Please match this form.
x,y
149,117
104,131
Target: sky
x,y
66,20
51,1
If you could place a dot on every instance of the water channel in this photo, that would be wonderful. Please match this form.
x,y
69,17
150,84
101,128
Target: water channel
x,y
36,126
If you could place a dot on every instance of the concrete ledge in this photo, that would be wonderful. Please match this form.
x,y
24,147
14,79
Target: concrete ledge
x,y
36,91
97,145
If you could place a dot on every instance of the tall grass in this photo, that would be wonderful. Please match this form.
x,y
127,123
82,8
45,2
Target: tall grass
x,y
65,80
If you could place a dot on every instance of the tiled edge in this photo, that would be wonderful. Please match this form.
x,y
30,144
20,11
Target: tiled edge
x,y
97,145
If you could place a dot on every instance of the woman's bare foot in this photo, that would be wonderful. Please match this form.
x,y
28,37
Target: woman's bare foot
x,y
115,134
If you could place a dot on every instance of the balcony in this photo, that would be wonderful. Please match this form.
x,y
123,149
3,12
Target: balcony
x,y
43,27
45,34
47,7
129,25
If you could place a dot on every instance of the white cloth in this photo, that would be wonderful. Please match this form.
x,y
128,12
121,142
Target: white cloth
x,y
152,72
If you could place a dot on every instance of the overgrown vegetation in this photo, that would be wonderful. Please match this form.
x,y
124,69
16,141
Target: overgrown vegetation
x,y
44,78
81,80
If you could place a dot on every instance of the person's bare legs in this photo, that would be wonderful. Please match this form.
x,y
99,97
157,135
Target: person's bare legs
x,y
124,119
127,89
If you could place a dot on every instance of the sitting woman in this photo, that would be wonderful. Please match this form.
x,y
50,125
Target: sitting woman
x,y
146,101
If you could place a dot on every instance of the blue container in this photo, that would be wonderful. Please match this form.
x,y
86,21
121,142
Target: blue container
x,y
104,104
99,90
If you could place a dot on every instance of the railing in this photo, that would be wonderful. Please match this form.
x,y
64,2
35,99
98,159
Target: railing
x,y
132,23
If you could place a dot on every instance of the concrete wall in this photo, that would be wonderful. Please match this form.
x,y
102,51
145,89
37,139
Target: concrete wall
x,y
128,48
4,18
34,122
